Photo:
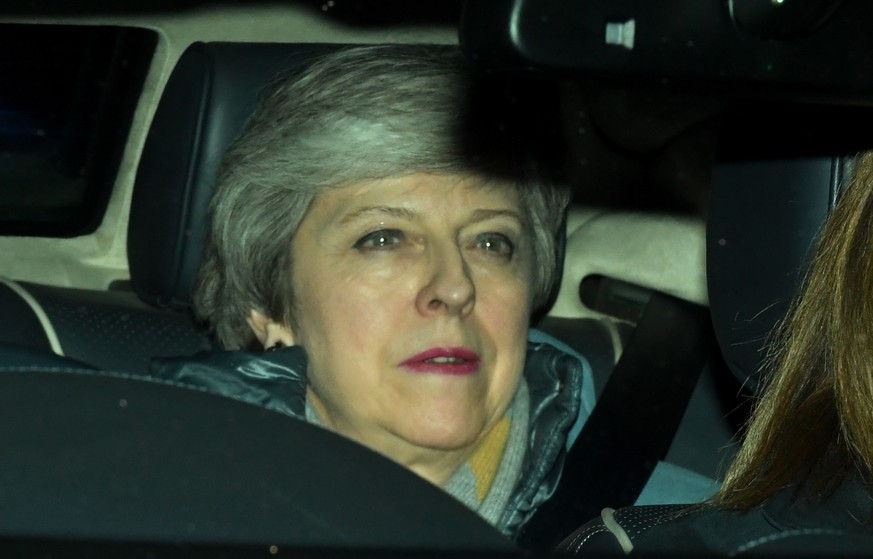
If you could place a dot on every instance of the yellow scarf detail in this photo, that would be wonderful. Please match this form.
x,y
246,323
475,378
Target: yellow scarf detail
x,y
486,459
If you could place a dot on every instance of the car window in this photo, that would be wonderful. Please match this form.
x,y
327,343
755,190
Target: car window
x,y
66,101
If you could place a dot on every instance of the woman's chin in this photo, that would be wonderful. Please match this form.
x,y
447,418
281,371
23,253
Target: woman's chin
x,y
446,436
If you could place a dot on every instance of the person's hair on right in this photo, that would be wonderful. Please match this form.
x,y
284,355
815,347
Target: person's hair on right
x,y
813,424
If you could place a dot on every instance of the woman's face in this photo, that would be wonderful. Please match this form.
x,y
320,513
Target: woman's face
x,y
413,298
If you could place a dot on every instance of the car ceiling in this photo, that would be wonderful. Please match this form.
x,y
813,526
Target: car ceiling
x,y
352,12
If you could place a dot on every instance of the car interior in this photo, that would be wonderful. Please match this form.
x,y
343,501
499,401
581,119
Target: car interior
x,y
700,183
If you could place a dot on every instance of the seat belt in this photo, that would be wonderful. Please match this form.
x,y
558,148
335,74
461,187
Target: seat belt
x,y
634,421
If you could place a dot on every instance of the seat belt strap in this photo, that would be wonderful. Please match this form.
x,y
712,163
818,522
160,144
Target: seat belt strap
x,y
634,421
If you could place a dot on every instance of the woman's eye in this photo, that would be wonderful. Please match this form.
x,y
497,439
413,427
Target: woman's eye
x,y
379,240
495,243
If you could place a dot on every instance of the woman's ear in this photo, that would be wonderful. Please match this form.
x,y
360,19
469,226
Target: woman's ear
x,y
269,332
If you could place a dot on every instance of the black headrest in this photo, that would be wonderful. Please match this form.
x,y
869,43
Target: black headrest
x,y
781,166
764,218
210,95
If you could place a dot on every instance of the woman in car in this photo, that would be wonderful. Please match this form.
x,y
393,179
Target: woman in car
x,y
806,463
384,245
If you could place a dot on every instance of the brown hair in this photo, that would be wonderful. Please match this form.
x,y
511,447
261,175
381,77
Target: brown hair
x,y
814,420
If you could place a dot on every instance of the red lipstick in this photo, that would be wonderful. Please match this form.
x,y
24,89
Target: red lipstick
x,y
444,361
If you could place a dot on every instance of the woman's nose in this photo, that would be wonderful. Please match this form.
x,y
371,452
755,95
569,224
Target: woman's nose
x,y
448,287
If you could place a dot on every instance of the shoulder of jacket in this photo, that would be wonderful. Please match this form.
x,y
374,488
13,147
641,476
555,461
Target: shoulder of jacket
x,y
275,380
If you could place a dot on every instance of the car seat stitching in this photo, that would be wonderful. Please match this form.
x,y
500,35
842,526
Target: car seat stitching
x,y
582,537
782,535
640,519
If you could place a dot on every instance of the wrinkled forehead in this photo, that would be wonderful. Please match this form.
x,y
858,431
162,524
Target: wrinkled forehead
x,y
419,193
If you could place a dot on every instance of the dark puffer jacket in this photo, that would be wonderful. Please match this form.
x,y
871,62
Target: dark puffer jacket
x,y
559,383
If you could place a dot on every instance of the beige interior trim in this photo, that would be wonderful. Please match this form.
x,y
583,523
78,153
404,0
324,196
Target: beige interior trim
x,y
37,309
663,252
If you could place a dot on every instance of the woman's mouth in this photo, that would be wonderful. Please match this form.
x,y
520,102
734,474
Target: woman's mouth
x,y
443,361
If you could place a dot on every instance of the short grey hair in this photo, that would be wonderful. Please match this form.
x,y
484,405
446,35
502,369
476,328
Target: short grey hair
x,y
355,114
